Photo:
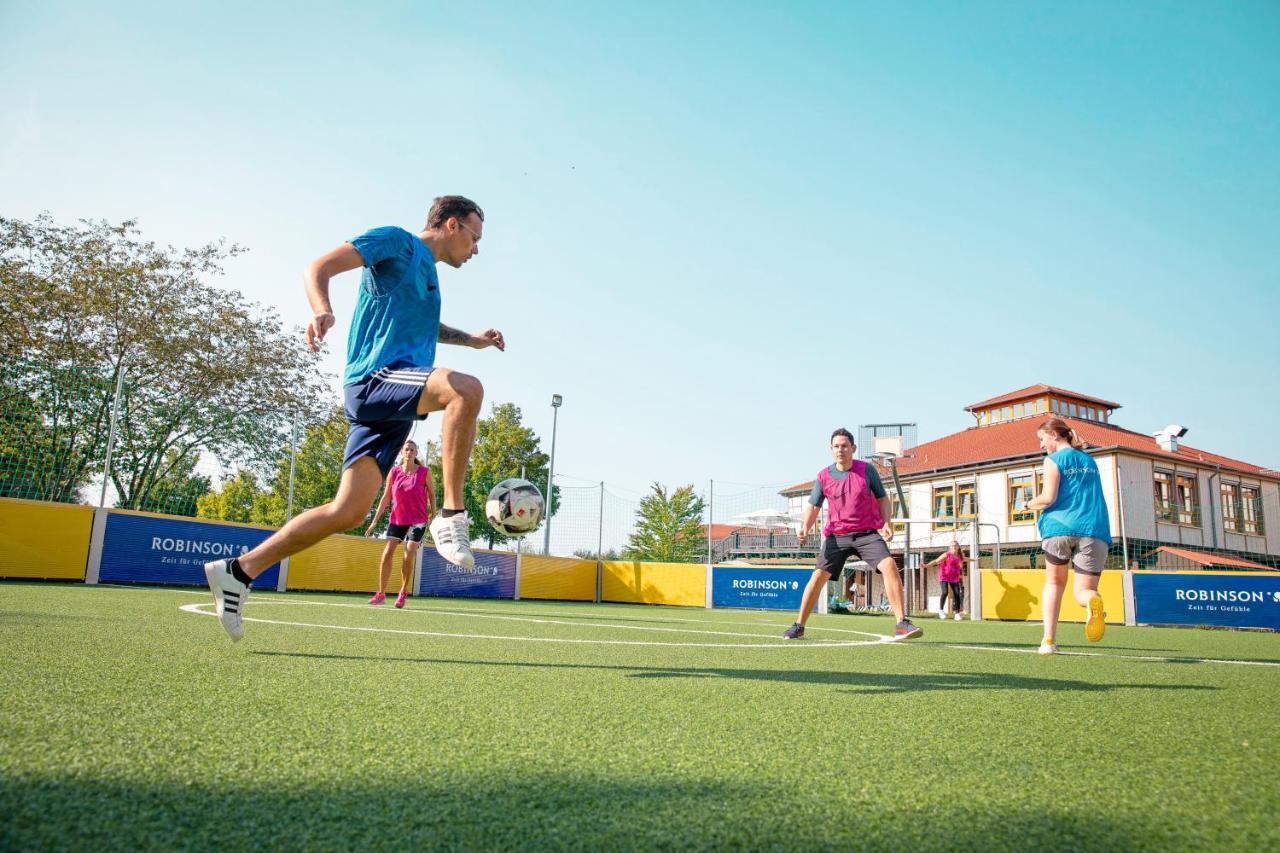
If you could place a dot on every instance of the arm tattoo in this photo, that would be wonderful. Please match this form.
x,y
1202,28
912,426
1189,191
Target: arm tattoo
x,y
450,335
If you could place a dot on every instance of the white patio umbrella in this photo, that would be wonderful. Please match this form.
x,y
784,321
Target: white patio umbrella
x,y
766,518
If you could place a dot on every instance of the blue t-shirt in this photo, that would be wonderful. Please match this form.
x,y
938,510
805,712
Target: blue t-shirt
x,y
1079,509
397,317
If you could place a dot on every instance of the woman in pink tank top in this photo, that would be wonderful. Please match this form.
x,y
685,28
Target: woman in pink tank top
x,y
412,497
950,577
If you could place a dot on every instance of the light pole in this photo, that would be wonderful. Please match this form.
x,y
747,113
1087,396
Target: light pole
x,y
556,400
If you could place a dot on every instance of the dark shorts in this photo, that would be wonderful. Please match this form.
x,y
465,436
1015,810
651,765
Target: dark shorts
x,y
867,545
407,532
381,410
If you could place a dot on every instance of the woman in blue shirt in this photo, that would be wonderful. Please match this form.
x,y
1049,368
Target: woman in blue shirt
x,y
1075,529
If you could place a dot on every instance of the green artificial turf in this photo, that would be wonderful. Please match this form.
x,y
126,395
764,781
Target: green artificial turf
x,y
126,722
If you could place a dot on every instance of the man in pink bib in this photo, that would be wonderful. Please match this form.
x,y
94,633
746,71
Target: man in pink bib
x,y
856,527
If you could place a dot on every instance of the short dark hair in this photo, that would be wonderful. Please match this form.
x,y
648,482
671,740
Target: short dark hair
x,y
451,205
845,433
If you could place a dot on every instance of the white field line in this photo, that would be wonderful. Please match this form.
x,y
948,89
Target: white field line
x,y
1154,658
199,609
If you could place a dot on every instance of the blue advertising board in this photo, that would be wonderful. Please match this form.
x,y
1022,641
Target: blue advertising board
x,y
1189,598
493,576
765,589
150,549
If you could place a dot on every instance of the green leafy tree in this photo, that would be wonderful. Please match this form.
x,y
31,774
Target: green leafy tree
x,y
176,488
588,554
668,527
317,472
205,370
235,501
503,446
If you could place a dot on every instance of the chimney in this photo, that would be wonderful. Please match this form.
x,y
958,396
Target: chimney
x,y
1168,437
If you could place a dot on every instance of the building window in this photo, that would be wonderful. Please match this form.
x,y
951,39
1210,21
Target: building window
x,y
944,505
1042,405
1164,497
966,501
1186,491
1251,510
1231,520
1022,488
899,511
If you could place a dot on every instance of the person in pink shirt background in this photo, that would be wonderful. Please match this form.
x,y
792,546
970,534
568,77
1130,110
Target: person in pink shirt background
x,y
413,502
951,575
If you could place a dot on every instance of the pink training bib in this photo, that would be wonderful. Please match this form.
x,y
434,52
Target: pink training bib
x,y
409,496
850,504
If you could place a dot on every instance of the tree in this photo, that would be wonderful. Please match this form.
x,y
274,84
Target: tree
x,y
668,527
205,370
317,472
237,500
176,488
588,554
503,446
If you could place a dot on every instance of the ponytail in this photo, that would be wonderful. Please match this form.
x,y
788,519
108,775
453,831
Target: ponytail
x,y
1058,427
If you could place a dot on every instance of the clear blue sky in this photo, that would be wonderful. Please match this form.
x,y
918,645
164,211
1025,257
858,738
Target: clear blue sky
x,y
719,230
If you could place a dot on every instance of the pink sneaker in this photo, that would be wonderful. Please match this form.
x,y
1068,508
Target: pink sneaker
x,y
379,598
400,599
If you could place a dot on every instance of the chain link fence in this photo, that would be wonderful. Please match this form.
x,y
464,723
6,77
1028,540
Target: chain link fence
x,y
84,435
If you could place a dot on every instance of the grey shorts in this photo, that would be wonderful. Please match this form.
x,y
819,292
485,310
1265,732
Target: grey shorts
x,y
866,545
1084,553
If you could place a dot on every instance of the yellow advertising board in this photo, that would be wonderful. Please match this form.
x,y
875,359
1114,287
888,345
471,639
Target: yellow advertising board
x,y
44,540
561,578
654,583
1014,595
342,564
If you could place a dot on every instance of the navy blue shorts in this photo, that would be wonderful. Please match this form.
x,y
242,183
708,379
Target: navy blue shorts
x,y
381,410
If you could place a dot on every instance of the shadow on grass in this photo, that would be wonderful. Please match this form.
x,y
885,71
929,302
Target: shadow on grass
x,y
531,810
853,682
1164,655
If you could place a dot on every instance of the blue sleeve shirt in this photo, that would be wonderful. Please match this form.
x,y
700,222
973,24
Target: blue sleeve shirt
x,y
1079,509
397,318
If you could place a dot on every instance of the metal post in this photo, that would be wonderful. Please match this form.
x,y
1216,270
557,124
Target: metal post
x,y
111,436
908,573
600,528
293,461
551,472
975,555
711,517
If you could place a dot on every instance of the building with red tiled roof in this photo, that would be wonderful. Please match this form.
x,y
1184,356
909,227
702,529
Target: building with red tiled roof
x,y
1159,491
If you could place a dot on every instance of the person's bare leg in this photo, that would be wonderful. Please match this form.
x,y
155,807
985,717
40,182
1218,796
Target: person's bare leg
x,y
817,582
1055,580
460,397
384,568
892,586
356,491
406,569
1086,587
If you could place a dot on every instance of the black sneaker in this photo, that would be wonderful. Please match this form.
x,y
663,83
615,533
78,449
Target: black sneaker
x,y
795,632
905,630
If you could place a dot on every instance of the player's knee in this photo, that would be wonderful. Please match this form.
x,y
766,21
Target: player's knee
x,y
470,391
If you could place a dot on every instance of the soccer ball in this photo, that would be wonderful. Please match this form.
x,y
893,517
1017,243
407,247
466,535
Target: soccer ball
x,y
514,507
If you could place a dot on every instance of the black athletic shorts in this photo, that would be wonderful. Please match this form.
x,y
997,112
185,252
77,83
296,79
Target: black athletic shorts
x,y
406,532
867,545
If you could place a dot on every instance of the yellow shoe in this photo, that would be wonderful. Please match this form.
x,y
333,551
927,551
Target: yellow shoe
x,y
1097,624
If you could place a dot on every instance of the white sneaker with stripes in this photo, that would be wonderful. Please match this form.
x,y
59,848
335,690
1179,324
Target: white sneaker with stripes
x,y
229,596
453,540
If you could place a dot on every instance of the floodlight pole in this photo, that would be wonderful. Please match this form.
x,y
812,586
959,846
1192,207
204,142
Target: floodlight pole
x,y
556,400
111,436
